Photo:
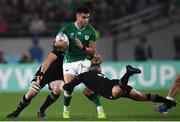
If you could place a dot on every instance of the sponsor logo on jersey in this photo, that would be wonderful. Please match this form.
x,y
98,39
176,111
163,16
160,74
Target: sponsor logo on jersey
x,y
71,35
79,33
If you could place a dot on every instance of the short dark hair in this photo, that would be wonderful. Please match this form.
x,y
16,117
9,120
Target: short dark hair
x,y
96,67
83,10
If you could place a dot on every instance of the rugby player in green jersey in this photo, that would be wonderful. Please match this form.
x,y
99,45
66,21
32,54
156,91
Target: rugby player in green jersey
x,y
82,46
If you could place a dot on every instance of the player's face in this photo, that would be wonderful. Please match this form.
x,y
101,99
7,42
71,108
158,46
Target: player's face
x,y
83,19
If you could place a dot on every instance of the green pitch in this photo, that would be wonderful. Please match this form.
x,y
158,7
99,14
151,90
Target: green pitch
x,y
82,109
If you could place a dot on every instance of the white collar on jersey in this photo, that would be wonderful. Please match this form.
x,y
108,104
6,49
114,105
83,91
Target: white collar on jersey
x,y
78,27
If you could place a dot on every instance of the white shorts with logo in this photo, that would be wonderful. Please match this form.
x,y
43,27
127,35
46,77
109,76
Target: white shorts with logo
x,y
77,67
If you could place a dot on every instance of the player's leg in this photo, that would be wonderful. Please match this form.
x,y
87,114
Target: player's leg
x,y
68,77
51,98
85,66
67,96
95,99
173,91
129,72
140,96
70,70
26,99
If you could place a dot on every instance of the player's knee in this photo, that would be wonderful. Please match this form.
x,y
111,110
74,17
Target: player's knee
x,y
56,90
87,92
68,78
31,94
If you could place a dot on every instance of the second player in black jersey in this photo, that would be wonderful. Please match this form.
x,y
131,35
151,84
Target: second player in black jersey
x,y
114,89
54,72
51,76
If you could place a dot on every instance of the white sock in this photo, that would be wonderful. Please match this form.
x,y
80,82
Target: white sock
x,y
66,108
100,109
170,98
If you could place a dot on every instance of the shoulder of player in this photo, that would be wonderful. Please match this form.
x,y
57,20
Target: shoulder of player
x,y
90,27
68,25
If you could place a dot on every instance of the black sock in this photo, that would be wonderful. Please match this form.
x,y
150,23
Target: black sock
x,y
51,98
157,98
67,100
125,79
23,103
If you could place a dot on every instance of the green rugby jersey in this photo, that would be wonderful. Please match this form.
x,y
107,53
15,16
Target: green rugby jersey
x,y
86,35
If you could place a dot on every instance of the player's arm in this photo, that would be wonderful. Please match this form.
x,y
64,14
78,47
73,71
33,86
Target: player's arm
x,y
44,67
70,86
58,43
48,61
91,49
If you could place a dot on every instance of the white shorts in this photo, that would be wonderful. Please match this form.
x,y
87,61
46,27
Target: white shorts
x,y
76,68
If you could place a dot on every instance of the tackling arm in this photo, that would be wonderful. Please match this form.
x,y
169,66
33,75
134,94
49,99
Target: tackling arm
x,y
51,57
70,86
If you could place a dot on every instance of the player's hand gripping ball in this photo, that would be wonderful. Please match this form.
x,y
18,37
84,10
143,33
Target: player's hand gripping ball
x,y
62,37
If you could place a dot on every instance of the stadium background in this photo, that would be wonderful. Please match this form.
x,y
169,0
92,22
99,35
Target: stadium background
x,y
120,25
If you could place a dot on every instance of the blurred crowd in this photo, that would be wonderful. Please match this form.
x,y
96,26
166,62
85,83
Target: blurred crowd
x,y
41,16
45,17
142,52
34,54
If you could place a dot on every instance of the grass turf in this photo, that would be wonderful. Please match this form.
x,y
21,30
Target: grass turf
x,y
83,110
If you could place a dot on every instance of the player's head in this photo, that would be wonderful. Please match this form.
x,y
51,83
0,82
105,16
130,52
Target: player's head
x,y
82,16
95,67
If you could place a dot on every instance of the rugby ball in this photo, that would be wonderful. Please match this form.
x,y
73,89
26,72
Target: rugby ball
x,y
62,37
